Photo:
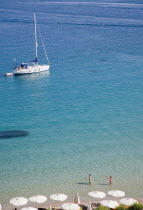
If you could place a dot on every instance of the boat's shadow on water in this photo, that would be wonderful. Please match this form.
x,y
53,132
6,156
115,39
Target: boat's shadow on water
x,y
13,134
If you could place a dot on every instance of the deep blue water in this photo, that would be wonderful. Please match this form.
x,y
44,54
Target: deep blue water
x,y
87,115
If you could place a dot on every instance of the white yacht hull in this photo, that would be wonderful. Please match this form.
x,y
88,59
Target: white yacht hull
x,y
31,69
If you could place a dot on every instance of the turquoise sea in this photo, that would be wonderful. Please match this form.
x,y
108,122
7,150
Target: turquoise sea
x,y
86,116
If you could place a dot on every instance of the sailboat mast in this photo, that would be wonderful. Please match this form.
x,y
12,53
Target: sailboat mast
x,y
36,43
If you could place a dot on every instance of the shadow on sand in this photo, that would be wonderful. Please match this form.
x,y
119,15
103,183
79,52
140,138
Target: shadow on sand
x,y
83,183
13,133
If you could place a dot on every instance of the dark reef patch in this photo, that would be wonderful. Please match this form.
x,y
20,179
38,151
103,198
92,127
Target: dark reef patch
x,y
13,133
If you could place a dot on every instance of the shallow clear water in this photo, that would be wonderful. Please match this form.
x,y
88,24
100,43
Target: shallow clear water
x,y
86,116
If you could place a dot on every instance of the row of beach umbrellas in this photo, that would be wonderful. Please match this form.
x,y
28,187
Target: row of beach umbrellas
x,y
113,204
99,194
20,201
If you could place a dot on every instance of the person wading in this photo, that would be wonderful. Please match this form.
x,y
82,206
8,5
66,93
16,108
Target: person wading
x,y
110,179
89,177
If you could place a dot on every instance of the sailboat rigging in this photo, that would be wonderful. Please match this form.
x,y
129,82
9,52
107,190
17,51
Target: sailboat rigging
x,y
33,66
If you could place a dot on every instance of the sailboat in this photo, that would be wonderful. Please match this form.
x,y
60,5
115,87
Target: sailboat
x,y
33,66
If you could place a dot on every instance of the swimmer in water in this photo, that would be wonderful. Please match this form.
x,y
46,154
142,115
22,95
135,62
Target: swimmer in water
x,y
110,179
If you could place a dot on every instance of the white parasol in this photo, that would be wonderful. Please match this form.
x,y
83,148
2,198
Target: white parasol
x,y
97,194
128,201
0,206
38,199
116,193
109,203
58,197
29,208
70,206
19,201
